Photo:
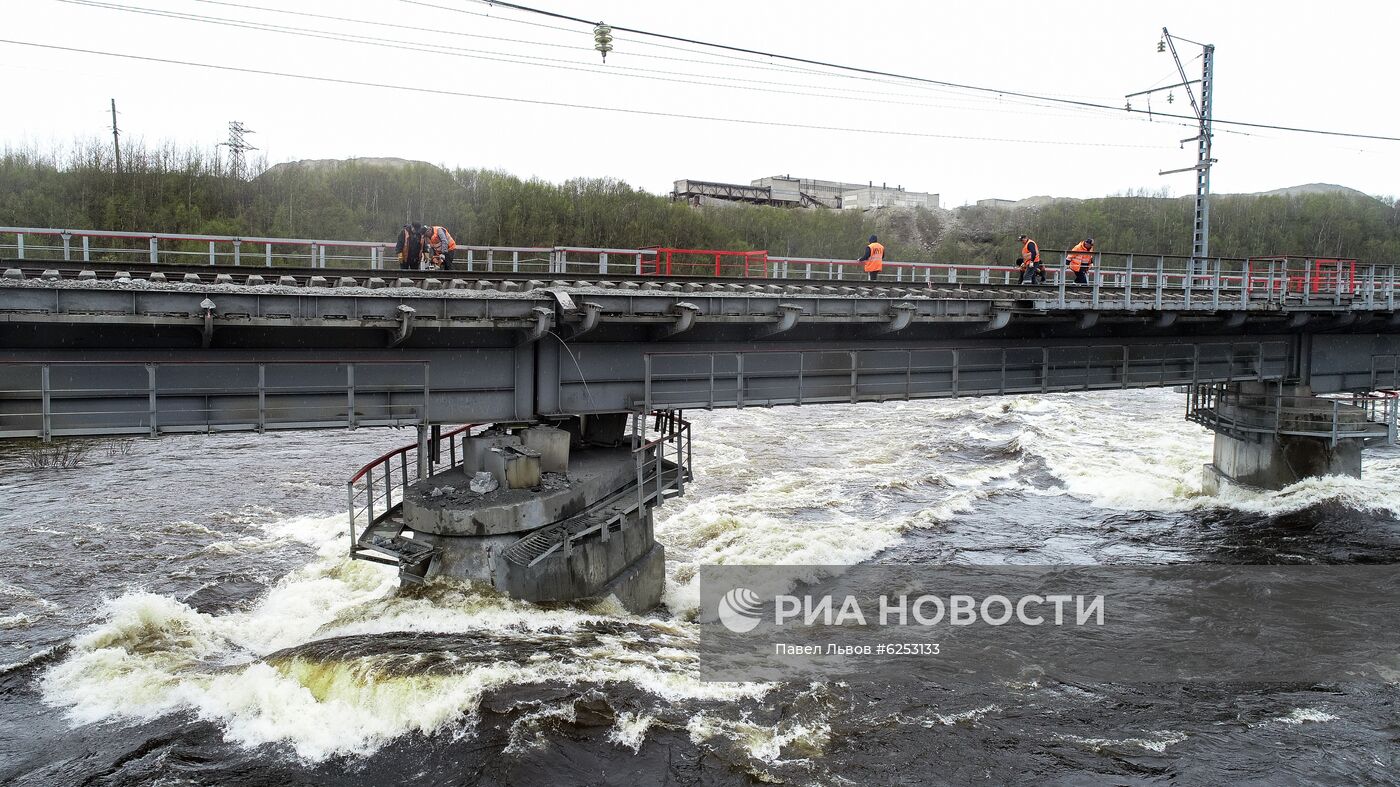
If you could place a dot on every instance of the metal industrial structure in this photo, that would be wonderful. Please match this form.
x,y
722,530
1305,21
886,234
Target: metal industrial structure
x,y
238,145
787,191
1295,363
1200,231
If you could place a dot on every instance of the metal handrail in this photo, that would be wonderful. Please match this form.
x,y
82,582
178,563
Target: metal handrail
x,y
1269,278
1333,418
388,488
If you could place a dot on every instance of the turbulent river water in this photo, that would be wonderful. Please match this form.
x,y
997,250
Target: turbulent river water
x,y
181,611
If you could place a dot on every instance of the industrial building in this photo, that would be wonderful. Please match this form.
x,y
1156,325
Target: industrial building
x,y
787,191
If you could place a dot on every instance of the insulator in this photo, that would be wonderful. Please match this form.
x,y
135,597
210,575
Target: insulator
x,y
602,39
1162,45
1171,97
1128,105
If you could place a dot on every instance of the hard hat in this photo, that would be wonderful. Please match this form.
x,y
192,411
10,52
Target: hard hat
x,y
1089,241
873,239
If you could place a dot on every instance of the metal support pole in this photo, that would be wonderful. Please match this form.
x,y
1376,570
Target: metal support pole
x,y
211,253
267,251
350,394
87,256
350,494
1098,277
46,409
67,247
237,252
151,393
155,255
1157,298
423,431
1215,286
1128,284
19,245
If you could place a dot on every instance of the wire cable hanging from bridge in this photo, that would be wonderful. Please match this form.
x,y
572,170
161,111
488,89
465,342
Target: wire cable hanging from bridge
x,y
961,86
564,104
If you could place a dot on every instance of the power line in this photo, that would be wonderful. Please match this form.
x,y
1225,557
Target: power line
x,y
957,85
865,97
562,104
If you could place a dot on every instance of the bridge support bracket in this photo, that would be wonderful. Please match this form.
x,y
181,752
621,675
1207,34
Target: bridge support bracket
x,y
998,321
207,332
1088,320
788,316
544,320
901,314
592,315
405,326
686,313
1165,320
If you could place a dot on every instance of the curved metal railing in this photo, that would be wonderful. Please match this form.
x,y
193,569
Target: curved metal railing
x,y
376,490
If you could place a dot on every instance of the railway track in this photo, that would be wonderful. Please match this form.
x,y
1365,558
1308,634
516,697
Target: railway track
x,y
344,277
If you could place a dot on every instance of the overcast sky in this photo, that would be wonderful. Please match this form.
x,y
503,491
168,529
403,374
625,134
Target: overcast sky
x,y
1321,65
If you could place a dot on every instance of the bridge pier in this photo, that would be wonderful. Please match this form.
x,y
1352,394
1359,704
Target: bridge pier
x,y
541,513
1273,435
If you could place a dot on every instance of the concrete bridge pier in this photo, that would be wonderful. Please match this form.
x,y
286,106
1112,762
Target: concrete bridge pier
x,y
1272,435
546,513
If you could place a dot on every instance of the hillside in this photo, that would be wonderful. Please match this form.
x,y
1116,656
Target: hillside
x,y
187,191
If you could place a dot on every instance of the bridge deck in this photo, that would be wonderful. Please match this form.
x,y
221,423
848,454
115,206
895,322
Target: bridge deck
x,y
85,351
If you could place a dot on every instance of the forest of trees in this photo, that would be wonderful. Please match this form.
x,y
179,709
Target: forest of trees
x,y
167,189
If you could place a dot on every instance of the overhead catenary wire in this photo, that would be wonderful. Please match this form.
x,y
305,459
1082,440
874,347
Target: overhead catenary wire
x,y
562,104
945,83
723,62
863,96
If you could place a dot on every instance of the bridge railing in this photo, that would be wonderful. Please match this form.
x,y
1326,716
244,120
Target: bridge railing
x,y
1226,408
57,398
671,444
1217,282
112,246
377,489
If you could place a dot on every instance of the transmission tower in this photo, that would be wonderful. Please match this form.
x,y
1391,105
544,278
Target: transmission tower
x,y
1200,234
237,145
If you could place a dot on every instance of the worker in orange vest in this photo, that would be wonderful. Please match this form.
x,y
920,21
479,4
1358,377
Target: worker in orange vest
x,y
1029,261
439,241
874,257
1079,259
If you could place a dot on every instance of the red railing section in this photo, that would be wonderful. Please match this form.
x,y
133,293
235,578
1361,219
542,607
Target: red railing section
x,y
663,263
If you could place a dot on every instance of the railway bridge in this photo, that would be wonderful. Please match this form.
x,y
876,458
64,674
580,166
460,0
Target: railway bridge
x,y
584,360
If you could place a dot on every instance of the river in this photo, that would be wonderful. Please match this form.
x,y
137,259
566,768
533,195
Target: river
x,y
181,611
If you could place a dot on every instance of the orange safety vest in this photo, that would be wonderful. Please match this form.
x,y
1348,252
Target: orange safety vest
x,y
1080,256
877,258
438,234
1026,252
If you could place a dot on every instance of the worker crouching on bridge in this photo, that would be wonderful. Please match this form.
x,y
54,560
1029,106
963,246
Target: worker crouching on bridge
x,y
1029,261
438,241
409,246
874,257
1079,259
